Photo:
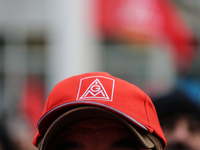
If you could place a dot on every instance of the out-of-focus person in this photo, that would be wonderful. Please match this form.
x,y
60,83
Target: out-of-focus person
x,y
180,120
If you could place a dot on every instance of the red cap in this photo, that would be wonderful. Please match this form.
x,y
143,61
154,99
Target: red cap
x,y
105,91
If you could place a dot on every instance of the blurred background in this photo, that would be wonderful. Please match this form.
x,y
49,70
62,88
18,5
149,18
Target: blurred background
x,y
153,44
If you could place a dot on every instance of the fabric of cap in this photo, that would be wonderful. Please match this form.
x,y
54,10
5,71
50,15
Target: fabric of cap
x,y
105,91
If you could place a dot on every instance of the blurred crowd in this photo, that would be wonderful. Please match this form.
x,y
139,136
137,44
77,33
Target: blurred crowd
x,y
151,43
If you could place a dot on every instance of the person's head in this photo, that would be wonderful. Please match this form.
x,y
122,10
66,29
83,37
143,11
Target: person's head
x,y
180,120
98,111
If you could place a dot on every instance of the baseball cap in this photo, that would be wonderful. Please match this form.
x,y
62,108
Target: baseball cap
x,y
99,94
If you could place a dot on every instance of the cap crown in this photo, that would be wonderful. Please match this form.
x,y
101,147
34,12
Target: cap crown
x,y
102,90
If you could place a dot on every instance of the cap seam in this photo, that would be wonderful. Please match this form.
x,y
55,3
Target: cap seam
x,y
146,110
48,101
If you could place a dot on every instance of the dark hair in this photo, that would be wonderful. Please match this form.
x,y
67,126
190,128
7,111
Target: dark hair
x,y
176,102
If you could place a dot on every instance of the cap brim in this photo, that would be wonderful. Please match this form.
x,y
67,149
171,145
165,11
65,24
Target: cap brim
x,y
85,112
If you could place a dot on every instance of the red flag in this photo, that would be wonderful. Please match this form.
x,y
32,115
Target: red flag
x,y
147,20
130,19
180,35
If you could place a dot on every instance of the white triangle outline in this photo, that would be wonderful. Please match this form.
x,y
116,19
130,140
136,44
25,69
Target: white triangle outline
x,y
102,91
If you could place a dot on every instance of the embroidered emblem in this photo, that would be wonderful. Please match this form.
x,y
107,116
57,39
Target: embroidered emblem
x,y
96,88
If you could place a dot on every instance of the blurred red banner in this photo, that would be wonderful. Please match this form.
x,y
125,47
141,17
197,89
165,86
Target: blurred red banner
x,y
147,21
32,100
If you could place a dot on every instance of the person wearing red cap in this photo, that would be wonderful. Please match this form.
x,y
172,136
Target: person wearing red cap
x,y
98,111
